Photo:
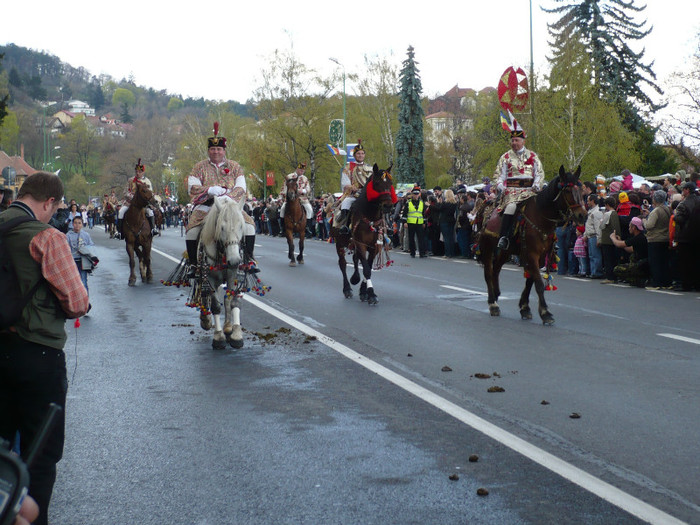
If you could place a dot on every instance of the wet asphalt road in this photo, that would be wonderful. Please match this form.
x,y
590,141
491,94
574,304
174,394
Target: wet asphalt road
x,y
163,429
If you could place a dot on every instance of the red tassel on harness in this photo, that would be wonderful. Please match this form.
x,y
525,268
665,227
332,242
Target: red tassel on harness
x,y
372,194
76,324
394,198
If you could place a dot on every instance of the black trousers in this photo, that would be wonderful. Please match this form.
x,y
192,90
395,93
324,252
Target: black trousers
x,y
419,231
609,260
31,377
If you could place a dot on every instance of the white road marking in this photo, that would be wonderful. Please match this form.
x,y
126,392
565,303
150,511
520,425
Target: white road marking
x,y
583,479
681,338
462,289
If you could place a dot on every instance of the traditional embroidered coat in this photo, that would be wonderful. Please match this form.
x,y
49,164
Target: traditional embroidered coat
x,y
206,174
519,174
303,186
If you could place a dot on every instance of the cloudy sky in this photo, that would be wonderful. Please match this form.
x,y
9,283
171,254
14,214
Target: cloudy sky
x,y
216,50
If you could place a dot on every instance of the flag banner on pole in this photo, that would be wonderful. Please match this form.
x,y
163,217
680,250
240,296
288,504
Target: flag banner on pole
x,y
269,178
334,150
505,124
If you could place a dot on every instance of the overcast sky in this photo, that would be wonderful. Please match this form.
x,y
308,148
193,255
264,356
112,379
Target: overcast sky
x,y
215,50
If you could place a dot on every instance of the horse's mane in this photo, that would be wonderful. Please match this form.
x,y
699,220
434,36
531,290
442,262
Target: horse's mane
x,y
547,195
222,218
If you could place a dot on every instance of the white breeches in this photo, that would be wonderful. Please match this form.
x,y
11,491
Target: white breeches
x,y
347,202
122,212
305,204
510,209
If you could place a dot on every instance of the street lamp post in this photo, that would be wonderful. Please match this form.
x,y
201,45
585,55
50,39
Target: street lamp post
x,y
345,142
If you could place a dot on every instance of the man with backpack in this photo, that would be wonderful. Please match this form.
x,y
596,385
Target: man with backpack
x,y
32,363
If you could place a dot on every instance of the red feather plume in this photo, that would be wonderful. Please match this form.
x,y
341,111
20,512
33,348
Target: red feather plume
x,y
216,129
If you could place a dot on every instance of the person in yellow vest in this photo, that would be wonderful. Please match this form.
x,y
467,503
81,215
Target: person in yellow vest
x,y
413,212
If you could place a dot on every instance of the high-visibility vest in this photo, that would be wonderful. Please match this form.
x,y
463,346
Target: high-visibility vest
x,y
415,214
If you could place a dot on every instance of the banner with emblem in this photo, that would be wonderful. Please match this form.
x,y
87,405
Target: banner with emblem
x,y
269,178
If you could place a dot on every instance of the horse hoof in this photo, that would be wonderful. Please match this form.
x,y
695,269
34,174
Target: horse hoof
x,y
132,282
236,343
301,261
372,301
525,314
348,294
363,297
548,320
292,263
495,311
218,344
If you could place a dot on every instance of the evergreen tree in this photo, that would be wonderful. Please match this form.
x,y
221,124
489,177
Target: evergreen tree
x,y
96,96
409,142
605,28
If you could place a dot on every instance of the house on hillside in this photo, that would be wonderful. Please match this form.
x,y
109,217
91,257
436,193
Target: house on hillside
x,y
448,114
14,170
78,106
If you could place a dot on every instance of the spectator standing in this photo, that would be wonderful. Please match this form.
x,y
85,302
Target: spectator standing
x,y
32,362
77,240
656,224
594,222
464,227
581,251
413,211
610,225
448,219
687,237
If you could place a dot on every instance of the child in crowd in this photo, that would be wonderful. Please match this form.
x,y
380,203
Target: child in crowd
x,y
581,252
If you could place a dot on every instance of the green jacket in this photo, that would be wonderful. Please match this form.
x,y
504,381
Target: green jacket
x,y
43,319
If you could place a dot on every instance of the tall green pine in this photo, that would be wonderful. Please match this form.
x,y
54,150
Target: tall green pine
x,y
409,142
605,28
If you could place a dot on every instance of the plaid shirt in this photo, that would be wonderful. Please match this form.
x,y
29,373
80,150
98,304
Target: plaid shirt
x,y
51,251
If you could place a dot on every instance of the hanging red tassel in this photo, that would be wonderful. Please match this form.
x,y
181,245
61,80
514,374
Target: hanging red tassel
x,y
77,323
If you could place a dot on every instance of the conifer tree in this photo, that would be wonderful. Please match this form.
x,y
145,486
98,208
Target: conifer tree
x,y
605,28
409,141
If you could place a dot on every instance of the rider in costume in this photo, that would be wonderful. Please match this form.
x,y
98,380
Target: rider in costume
x,y
520,175
355,176
139,178
214,177
303,188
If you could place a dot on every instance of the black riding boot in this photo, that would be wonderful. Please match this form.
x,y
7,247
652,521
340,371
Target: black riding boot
x,y
343,219
120,224
249,249
192,256
152,223
506,230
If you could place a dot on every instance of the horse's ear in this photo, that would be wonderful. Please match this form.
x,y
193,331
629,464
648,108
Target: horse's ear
x,y
577,173
375,169
562,171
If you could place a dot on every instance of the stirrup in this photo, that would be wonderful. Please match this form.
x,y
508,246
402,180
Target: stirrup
x,y
503,243
154,232
344,230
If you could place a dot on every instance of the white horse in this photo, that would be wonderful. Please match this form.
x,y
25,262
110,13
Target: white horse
x,y
221,251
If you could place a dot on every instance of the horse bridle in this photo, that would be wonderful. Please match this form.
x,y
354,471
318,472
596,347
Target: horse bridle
x,y
571,204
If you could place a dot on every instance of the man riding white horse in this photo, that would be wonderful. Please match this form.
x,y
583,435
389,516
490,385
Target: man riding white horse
x,y
214,177
139,178
303,189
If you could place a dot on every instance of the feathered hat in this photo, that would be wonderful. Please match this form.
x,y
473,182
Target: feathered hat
x,y
139,168
359,147
216,141
511,125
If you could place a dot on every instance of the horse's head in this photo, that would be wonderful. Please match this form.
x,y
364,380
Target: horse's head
x,y
291,189
380,187
569,197
223,230
144,194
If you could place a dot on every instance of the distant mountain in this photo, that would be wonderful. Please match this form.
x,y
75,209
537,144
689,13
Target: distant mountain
x,y
36,76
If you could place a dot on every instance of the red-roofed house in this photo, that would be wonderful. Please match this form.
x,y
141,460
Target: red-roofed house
x,y
14,170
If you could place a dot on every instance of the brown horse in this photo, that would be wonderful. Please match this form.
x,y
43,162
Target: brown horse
x,y
558,201
367,231
109,216
137,234
294,222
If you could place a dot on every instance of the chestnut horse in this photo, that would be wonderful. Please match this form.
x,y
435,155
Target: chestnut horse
x,y
137,234
109,216
294,222
366,238
537,218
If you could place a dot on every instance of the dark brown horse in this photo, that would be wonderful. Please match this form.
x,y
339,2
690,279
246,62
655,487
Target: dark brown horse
x,y
537,218
366,238
294,222
109,216
137,234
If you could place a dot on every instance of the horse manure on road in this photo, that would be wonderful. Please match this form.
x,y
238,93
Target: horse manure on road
x,y
482,376
496,389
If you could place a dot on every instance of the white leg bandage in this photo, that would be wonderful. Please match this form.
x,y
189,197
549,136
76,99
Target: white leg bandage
x,y
122,211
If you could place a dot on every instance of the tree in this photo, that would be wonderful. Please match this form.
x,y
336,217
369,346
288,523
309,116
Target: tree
x,y
174,104
3,99
15,79
96,97
604,28
125,99
681,127
409,141
35,89
9,133
78,146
